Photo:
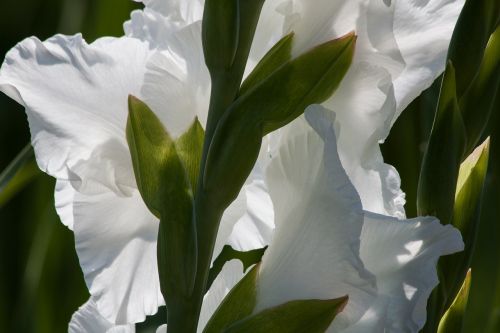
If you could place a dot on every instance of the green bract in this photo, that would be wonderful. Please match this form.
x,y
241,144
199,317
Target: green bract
x,y
235,314
274,58
477,102
438,177
276,100
166,172
465,218
312,316
238,304
452,321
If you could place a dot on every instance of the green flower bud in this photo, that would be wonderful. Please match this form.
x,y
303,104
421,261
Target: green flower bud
x,y
274,101
221,24
166,173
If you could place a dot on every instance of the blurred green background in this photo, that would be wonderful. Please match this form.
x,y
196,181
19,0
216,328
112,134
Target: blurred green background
x,y
41,283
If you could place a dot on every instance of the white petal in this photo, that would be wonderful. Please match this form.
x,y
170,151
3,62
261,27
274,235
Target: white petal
x,y
187,11
75,95
423,32
254,229
151,27
364,124
88,320
361,126
403,256
160,19
318,21
162,329
116,244
177,83
64,197
397,56
315,251
270,29
377,59
230,275
315,248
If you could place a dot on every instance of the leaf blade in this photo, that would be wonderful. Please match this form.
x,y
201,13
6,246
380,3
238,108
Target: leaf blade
x,y
312,316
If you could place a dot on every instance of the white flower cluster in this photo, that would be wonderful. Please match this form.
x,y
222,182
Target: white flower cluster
x,y
320,194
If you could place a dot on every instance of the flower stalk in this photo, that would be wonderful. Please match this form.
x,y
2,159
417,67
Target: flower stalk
x,y
226,80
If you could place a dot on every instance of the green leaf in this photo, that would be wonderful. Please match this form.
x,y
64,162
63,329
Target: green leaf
x,y
477,102
247,258
19,173
468,196
469,186
437,185
484,297
221,24
164,183
280,98
477,21
238,304
452,321
311,316
438,176
278,55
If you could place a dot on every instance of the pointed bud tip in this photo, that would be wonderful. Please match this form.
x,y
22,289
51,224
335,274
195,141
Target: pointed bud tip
x,y
133,103
133,99
350,36
343,303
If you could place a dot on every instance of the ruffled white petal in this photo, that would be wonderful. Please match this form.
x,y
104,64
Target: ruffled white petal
x,y
177,83
150,26
75,95
369,79
161,18
116,244
423,31
403,256
315,248
76,100
325,246
88,320
187,11
78,119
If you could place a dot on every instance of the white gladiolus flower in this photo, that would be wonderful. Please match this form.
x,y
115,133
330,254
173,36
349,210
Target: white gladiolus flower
x,y
338,209
326,246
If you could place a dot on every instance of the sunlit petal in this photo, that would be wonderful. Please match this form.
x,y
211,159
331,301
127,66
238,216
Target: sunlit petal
x,y
87,319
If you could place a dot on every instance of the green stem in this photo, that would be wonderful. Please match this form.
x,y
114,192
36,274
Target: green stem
x,y
183,316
